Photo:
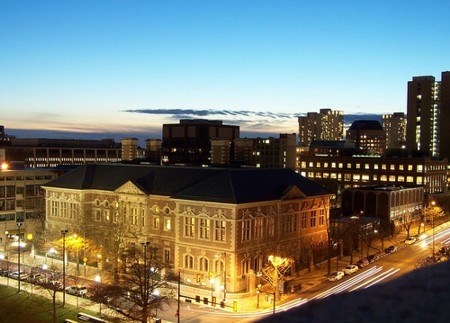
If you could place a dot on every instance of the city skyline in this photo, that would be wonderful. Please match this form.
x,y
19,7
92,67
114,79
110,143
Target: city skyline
x,y
129,67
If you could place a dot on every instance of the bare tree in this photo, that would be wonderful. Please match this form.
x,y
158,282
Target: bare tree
x,y
140,290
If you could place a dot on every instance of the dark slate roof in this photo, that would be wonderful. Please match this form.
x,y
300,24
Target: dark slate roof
x,y
227,185
366,125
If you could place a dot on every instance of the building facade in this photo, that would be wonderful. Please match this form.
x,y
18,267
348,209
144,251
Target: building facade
x,y
51,153
22,201
423,112
255,152
367,135
391,204
204,221
326,125
189,142
395,127
360,170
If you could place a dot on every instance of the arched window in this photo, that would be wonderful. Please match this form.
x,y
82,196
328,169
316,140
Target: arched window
x,y
219,266
203,264
246,266
189,262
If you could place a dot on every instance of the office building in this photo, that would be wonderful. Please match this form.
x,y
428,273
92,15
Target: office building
x,y
51,153
255,152
367,135
22,201
326,125
395,127
189,142
204,221
444,105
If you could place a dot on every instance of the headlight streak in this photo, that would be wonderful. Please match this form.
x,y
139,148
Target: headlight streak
x,y
350,282
438,235
385,275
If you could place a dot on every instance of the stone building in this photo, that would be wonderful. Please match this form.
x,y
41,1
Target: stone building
x,y
205,221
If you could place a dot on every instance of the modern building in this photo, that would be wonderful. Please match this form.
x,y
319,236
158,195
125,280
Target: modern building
x,y
255,152
391,204
51,153
395,127
22,202
189,142
361,170
444,113
326,125
423,111
220,222
367,135
129,149
153,151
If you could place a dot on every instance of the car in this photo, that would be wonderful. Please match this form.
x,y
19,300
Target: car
x,y
335,275
35,278
390,249
15,275
410,240
362,263
373,258
76,290
350,269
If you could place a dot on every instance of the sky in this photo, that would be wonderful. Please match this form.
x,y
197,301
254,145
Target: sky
x,y
128,66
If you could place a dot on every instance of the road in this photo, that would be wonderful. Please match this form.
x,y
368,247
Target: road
x,y
389,267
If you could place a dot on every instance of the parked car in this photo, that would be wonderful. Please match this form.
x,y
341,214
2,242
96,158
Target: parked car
x,y
15,275
76,290
350,269
35,278
373,258
410,240
4,272
362,263
390,249
335,275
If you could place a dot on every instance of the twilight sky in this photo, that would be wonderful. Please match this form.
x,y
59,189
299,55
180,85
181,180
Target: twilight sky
x,y
128,66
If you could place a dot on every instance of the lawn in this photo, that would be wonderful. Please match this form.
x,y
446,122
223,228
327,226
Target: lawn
x,y
24,307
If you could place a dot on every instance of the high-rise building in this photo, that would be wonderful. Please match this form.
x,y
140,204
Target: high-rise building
x,y
444,102
395,127
326,125
367,135
422,131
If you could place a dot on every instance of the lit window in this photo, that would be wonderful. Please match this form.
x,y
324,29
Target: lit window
x,y
410,167
366,166
401,178
333,165
419,180
349,165
419,168
410,179
383,178
391,178
156,223
358,166
340,165
303,164
383,166
400,167
166,224
356,177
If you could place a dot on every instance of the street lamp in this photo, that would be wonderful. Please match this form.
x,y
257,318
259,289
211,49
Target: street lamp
x,y
212,281
52,252
19,225
64,232
98,280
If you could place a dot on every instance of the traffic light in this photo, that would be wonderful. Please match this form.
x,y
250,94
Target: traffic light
x,y
199,277
235,306
222,304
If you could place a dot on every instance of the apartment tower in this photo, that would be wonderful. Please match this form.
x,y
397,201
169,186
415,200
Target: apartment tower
x,y
325,125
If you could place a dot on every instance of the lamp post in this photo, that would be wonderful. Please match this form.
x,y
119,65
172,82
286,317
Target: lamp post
x,y
64,232
212,281
19,225
98,280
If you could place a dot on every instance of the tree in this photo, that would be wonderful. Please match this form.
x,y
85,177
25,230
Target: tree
x,y
140,290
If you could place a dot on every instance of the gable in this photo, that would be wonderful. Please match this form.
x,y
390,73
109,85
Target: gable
x,y
129,188
292,193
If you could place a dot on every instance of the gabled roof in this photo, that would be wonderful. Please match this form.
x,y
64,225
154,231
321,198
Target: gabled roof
x,y
227,185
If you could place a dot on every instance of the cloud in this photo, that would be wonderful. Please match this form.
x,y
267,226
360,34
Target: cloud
x,y
178,113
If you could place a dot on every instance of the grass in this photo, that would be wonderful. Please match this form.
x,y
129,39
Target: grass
x,y
30,308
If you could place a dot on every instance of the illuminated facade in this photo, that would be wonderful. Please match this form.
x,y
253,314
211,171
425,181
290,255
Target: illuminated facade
x,y
423,116
392,204
367,135
395,127
205,221
21,200
357,171
50,153
326,125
